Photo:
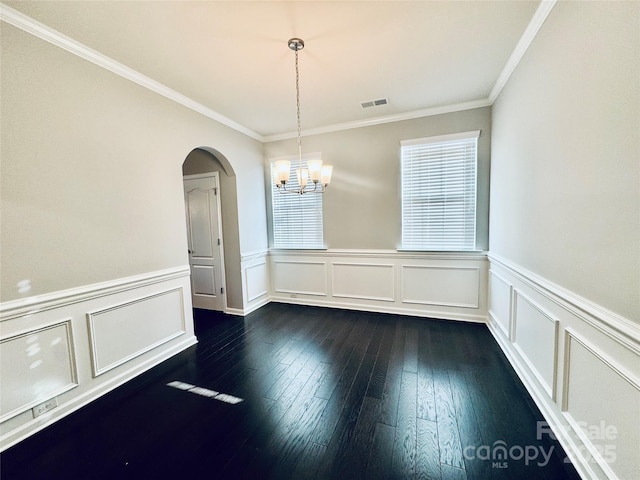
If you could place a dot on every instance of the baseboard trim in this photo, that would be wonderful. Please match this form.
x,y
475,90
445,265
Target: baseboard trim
x,y
556,424
454,316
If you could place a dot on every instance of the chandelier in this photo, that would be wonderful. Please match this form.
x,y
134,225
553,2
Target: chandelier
x,y
315,171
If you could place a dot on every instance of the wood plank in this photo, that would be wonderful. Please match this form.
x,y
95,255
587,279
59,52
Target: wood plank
x,y
379,375
454,473
428,454
426,402
308,462
381,457
411,350
391,389
448,435
405,441
340,445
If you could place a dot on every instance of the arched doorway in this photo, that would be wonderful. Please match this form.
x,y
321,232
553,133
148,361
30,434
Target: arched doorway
x,y
203,163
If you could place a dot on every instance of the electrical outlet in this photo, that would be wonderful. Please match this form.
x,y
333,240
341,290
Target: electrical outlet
x,y
44,407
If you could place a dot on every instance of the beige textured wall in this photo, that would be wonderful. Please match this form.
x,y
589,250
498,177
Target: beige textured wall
x,y
565,178
362,207
91,184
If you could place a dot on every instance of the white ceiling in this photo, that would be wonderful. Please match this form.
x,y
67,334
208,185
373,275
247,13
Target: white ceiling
x,y
232,56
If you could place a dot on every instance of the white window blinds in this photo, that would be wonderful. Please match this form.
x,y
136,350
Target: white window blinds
x,y
439,192
297,219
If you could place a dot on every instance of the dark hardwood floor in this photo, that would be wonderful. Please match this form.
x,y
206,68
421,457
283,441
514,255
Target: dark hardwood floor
x,y
326,394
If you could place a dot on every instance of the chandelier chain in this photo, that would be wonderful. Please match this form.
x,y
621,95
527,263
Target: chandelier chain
x,y
314,170
298,109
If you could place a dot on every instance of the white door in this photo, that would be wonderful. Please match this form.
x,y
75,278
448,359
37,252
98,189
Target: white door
x,y
204,233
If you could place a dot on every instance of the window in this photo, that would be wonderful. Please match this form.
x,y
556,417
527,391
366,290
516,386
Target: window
x,y
297,219
439,192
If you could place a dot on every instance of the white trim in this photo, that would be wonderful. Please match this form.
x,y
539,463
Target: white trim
x,y
242,312
35,425
440,267
440,138
508,330
572,450
614,331
31,305
615,326
97,370
401,254
363,297
48,34
426,112
302,292
73,367
570,335
260,294
550,389
250,256
380,308
523,44
491,318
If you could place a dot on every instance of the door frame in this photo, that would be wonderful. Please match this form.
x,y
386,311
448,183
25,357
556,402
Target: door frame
x,y
223,279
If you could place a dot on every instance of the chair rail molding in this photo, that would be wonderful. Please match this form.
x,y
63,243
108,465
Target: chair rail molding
x,y
85,342
579,361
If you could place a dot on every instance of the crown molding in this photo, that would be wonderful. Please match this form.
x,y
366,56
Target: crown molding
x,y
523,44
29,25
425,112
48,34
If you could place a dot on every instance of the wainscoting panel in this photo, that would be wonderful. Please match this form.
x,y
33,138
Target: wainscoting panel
x,y
598,418
447,286
580,363
438,285
256,277
369,281
62,350
36,366
255,282
535,335
300,277
123,332
500,302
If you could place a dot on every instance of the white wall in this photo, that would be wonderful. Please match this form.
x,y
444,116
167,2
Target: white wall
x,y
94,285
362,205
564,277
91,172
565,168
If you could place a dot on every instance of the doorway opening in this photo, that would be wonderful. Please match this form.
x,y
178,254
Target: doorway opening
x,y
210,217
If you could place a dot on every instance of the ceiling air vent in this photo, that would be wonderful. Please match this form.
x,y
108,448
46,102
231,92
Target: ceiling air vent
x,y
375,103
